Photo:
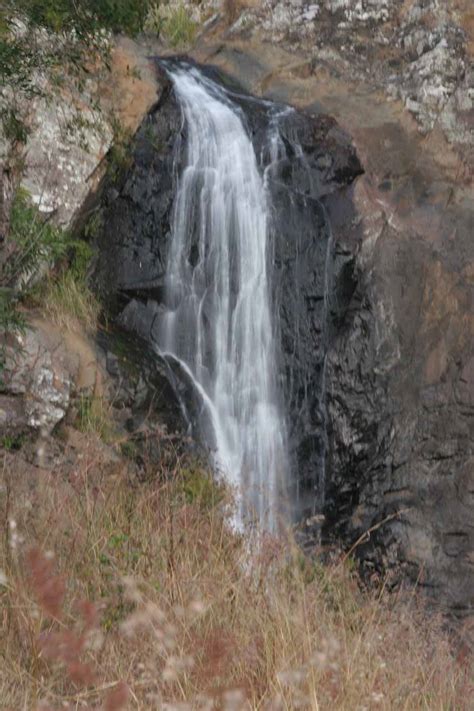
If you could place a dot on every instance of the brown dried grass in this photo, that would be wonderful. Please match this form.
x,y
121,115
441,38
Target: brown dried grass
x,y
125,594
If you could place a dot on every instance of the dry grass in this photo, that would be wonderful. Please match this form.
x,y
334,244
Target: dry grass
x,y
70,304
186,614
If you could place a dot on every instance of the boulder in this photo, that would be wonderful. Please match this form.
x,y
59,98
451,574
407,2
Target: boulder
x,y
36,382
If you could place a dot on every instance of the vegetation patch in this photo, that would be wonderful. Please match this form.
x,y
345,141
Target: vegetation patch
x,y
45,267
93,416
12,443
70,303
134,595
34,243
173,23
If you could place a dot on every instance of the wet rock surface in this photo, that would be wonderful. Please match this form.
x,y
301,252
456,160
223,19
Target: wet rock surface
x,y
320,161
398,409
138,383
400,429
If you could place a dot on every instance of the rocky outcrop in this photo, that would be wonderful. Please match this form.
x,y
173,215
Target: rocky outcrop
x,y
36,381
135,241
71,133
420,52
401,414
70,129
379,376
400,424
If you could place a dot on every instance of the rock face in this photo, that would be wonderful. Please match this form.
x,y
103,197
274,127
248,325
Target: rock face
x,y
401,412
399,423
373,287
36,383
72,129
319,161
420,52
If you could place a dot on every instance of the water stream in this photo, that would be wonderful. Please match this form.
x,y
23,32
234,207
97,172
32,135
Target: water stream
x,y
218,320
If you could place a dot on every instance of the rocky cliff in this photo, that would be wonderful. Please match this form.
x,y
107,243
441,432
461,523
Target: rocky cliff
x,y
393,424
400,381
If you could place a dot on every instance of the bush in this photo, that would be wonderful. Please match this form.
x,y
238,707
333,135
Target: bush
x,y
34,247
34,242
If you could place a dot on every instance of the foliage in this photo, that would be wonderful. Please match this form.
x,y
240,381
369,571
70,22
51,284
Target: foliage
x,y
12,443
162,595
173,23
34,239
69,302
36,245
197,485
119,157
11,321
85,18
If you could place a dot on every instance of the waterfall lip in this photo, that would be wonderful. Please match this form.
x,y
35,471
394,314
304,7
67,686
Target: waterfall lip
x,y
203,74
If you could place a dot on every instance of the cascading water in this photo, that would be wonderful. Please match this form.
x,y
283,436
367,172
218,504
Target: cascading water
x,y
218,318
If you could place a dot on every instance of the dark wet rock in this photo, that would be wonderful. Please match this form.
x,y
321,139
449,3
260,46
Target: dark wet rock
x,y
133,246
400,418
139,384
320,161
387,445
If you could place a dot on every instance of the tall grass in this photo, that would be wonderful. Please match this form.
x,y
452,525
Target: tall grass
x,y
68,301
173,23
137,594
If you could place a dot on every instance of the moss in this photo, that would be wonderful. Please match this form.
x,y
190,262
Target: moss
x,y
119,157
130,450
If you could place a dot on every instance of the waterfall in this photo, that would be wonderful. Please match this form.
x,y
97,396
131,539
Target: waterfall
x,y
218,314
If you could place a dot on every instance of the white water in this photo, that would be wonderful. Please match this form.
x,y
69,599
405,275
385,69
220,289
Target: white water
x,y
219,318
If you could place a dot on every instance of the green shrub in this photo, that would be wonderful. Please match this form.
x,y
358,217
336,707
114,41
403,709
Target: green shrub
x,y
12,443
11,321
179,28
86,17
34,241
35,245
